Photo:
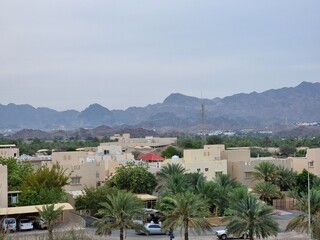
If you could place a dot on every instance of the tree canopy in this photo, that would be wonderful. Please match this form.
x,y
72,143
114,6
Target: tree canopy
x,y
117,212
134,178
44,186
17,172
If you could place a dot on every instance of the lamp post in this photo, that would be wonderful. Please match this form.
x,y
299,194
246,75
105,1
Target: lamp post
x,y
309,211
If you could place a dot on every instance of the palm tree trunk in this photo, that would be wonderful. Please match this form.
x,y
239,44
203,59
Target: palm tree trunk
x,y
121,233
251,235
186,229
50,233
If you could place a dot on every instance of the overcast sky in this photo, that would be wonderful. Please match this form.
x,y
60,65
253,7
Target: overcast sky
x,y
68,54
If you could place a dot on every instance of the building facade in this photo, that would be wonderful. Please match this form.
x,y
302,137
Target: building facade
x,y
3,186
8,151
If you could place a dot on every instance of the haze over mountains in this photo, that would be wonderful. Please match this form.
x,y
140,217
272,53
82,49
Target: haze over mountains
x,y
269,109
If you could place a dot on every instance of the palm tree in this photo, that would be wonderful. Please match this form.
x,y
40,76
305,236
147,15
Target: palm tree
x,y
171,179
300,223
195,181
267,191
252,216
50,214
225,185
265,171
118,212
175,184
185,210
169,170
286,178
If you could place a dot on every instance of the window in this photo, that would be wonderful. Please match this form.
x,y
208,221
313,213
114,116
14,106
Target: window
x,y
106,152
75,180
248,174
206,169
97,174
217,174
198,170
310,164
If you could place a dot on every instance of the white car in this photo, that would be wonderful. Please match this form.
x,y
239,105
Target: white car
x,y
223,234
9,225
153,229
25,224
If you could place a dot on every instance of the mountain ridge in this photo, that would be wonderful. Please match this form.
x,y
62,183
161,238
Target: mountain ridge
x,y
273,107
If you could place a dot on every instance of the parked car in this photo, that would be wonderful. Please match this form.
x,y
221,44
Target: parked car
x,y
223,234
9,224
25,224
152,229
40,223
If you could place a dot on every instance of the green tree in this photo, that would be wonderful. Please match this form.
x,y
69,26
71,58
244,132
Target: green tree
x,y
267,191
92,197
302,181
45,186
17,172
171,151
254,216
265,171
185,211
287,150
50,214
225,185
166,176
286,178
195,181
300,223
118,212
134,177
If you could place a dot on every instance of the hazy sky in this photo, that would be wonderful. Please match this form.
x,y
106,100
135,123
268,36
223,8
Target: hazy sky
x,y
68,54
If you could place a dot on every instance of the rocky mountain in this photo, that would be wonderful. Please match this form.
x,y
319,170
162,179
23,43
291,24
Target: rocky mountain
x,y
269,109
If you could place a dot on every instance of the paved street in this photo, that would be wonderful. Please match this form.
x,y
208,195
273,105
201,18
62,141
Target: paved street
x,y
282,218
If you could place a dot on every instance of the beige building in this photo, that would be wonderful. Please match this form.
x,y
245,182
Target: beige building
x,y
86,169
3,186
207,161
241,166
128,143
9,150
91,169
312,157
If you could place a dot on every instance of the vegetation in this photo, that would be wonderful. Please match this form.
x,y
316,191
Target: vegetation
x,y
17,172
253,217
267,191
92,197
50,214
300,223
171,151
185,210
44,186
134,178
118,212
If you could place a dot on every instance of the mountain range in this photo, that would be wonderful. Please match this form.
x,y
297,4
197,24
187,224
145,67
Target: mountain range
x,y
267,110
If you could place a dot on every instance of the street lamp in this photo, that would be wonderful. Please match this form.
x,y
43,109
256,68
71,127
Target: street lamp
x,y
310,163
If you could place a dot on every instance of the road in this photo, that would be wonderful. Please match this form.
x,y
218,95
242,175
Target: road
x,y
282,218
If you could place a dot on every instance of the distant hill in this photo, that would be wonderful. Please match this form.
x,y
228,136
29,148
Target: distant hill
x,y
270,109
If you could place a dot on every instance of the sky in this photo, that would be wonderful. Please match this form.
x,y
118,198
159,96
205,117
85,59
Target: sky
x,y
68,54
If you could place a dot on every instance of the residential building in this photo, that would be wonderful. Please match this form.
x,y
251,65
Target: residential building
x,y
3,186
85,169
241,166
9,150
128,144
207,161
312,157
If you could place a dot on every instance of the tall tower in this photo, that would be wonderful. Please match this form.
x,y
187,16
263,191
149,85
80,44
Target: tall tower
x,y
203,126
